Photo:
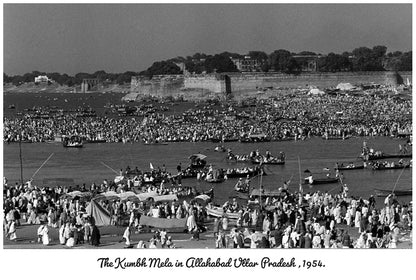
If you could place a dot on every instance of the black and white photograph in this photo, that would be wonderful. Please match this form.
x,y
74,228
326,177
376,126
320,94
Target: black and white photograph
x,y
217,126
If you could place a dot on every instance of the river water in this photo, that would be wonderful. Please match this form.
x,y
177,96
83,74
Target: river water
x,y
86,165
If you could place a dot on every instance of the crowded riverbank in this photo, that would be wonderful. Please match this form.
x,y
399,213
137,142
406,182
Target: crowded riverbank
x,y
294,117
285,220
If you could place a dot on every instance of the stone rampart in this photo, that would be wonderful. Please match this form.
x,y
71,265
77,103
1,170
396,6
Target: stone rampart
x,y
241,83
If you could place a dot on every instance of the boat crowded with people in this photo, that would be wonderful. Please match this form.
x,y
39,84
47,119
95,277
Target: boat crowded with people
x,y
326,179
269,159
242,172
378,165
372,154
72,141
349,166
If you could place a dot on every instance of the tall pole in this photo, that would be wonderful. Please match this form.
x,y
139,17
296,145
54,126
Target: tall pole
x,y
395,184
300,177
261,184
21,162
300,185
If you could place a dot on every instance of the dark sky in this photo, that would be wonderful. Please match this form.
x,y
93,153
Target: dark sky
x,y
74,38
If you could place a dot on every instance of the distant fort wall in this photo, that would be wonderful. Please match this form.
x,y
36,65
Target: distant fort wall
x,y
247,82
173,85
157,85
213,83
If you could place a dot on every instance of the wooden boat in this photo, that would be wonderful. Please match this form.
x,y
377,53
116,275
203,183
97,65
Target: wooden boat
x,y
383,192
219,213
72,142
384,156
320,181
272,161
350,166
324,181
398,166
243,174
73,145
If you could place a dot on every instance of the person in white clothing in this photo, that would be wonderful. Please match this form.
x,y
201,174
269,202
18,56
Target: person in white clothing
x,y
45,235
62,239
126,235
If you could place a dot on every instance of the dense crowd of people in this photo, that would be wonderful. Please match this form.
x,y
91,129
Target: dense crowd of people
x,y
289,220
285,117
317,220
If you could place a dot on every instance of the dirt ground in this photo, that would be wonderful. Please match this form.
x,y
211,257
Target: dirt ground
x,y
111,238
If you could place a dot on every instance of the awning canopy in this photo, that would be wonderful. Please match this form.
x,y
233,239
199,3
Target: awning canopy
x,y
107,195
197,156
168,197
203,197
128,196
146,195
77,194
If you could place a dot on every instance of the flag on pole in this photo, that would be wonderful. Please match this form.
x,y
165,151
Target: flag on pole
x,y
151,166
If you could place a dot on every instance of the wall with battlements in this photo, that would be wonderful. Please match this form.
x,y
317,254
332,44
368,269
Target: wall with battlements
x,y
241,83
165,85
247,82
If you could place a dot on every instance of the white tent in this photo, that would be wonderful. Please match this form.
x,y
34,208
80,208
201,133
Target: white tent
x,y
315,91
345,86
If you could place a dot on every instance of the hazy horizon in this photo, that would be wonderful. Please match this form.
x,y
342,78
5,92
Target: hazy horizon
x,y
73,38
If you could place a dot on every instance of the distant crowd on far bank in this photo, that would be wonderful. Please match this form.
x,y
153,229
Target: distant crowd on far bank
x,y
282,118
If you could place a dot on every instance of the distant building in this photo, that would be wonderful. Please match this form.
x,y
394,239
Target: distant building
x,y
247,64
42,79
198,60
307,63
91,85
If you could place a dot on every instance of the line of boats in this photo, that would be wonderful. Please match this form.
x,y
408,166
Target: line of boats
x,y
374,165
256,158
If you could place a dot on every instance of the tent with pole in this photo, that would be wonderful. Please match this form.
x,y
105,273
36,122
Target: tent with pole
x,y
100,215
